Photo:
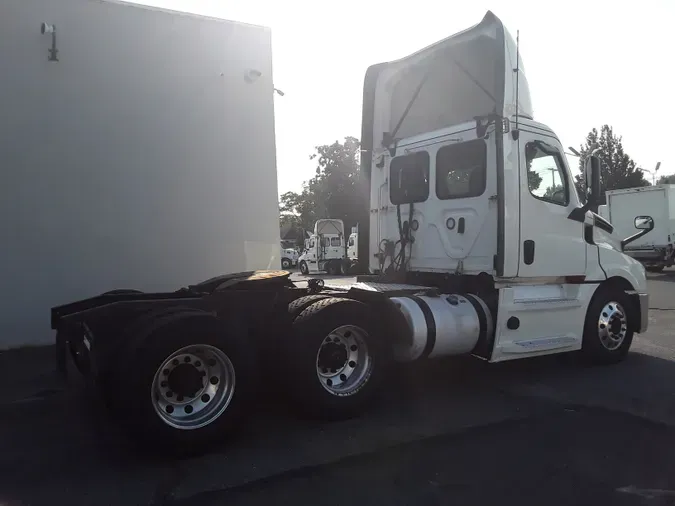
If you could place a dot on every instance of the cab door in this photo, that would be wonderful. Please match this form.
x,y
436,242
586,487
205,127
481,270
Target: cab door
x,y
311,254
551,244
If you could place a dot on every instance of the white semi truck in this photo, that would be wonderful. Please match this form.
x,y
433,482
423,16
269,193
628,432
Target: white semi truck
x,y
466,254
353,247
289,257
325,249
656,249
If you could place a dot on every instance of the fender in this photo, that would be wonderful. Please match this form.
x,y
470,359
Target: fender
x,y
617,264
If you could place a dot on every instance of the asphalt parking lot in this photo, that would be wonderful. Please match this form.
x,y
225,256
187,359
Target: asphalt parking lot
x,y
545,431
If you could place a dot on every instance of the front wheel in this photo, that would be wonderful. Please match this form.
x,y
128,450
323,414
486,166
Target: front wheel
x,y
337,359
286,263
303,268
607,330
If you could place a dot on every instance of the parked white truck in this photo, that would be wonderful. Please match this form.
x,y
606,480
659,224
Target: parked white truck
x,y
353,247
289,257
325,249
467,254
655,250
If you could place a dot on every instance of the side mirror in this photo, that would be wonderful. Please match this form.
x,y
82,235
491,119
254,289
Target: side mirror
x,y
644,222
592,175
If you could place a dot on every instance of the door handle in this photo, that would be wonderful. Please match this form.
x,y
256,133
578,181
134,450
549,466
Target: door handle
x,y
528,252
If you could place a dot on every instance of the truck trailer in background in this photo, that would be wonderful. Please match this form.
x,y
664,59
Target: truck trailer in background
x,y
137,149
655,249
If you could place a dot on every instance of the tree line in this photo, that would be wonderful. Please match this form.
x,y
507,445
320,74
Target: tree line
x,y
333,192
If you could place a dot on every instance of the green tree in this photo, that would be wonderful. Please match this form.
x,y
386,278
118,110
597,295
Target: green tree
x,y
670,179
618,170
332,192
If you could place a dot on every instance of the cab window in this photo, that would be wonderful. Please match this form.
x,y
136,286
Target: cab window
x,y
335,241
351,241
460,170
546,176
311,242
409,178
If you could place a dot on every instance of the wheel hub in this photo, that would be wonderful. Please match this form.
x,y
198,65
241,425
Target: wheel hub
x,y
332,356
186,380
343,362
193,387
612,325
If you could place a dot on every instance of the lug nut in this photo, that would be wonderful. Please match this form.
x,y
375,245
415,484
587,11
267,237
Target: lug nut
x,y
169,409
188,409
214,380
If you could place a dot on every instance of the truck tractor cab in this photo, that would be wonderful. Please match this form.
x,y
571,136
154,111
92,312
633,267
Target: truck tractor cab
x,y
325,249
289,257
472,195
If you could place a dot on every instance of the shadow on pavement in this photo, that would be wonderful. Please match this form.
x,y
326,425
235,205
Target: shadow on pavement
x,y
541,432
562,458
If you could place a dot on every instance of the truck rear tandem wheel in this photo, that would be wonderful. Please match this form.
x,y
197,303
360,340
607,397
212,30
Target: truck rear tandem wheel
x,y
181,381
337,357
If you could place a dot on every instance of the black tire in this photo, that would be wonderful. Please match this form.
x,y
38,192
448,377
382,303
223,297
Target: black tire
x,y
303,268
602,306
655,268
286,263
312,326
299,305
153,343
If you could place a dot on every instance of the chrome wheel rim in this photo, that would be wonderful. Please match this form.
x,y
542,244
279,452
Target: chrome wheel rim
x,y
612,325
193,387
343,362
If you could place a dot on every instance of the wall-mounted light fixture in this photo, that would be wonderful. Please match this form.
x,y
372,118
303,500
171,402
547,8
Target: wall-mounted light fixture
x,y
51,52
252,75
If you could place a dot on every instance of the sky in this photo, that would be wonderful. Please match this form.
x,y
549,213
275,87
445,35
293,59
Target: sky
x,y
588,63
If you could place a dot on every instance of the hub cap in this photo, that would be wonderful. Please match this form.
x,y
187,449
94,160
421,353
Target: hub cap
x,y
343,363
612,325
193,387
